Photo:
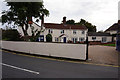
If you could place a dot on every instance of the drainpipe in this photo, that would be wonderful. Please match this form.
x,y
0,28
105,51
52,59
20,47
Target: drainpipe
x,y
87,44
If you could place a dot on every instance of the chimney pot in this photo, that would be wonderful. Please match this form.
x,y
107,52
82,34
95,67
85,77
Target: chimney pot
x,y
64,20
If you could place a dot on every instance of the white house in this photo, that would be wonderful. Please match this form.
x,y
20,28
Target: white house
x,y
60,32
99,36
108,36
113,30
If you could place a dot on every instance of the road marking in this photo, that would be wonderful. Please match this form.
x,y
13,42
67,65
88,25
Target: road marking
x,y
62,60
20,68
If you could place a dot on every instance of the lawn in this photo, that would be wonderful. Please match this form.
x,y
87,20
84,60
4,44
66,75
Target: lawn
x,y
113,45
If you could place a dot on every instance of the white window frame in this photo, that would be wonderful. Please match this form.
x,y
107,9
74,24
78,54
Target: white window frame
x,y
62,31
75,39
50,31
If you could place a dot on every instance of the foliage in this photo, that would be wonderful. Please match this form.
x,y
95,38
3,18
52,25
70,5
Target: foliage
x,y
48,38
70,21
11,35
21,13
91,28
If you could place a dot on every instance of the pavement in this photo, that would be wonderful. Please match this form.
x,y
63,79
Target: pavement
x,y
103,54
16,65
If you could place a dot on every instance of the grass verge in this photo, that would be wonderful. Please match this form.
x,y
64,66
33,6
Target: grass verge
x,y
113,45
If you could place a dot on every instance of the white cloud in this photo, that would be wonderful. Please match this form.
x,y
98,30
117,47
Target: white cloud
x,y
102,13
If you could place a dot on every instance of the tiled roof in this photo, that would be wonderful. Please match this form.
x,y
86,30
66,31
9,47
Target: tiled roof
x,y
113,27
63,26
98,34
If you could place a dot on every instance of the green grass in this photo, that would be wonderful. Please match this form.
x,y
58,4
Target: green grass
x,y
113,45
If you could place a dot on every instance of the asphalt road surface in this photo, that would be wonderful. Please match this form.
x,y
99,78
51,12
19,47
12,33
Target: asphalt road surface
x,y
23,66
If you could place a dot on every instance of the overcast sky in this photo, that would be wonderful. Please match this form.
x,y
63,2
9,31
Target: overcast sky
x,y
102,13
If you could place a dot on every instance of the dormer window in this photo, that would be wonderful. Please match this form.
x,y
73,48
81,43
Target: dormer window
x,y
50,31
62,31
74,31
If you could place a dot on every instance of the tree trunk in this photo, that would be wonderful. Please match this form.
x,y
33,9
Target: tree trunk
x,y
26,36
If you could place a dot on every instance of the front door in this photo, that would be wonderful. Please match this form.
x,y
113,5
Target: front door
x,y
64,39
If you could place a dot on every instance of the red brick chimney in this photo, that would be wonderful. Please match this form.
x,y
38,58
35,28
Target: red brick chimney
x,y
42,20
64,20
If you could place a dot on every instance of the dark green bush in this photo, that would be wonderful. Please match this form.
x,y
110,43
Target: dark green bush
x,y
11,35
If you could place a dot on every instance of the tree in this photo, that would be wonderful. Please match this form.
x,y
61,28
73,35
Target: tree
x,y
91,28
82,22
70,21
48,38
21,14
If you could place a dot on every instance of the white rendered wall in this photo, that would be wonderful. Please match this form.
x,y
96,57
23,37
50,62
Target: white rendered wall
x,y
99,38
74,51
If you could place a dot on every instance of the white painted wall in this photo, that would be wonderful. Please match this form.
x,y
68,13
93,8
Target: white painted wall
x,y
112,32
75,51
99,38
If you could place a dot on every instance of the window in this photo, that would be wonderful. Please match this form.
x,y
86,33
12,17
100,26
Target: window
x,y
83,32
56,39
74,40
104,39
41,38
50,31
74,32
93,38
62,31
81,39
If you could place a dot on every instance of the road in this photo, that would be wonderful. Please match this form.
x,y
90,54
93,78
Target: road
x,y
27,66
103,54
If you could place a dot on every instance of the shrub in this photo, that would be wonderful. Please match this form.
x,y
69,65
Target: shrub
x,y
11,35
69,41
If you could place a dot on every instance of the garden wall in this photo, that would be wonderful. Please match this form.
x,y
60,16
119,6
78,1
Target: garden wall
x,y
74,51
